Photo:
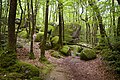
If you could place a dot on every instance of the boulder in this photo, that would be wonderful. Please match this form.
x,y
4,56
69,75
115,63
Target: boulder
x,y
55,40
87,54
55,54
65,50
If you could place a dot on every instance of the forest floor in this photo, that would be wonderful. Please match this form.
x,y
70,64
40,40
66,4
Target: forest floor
x,y
69,68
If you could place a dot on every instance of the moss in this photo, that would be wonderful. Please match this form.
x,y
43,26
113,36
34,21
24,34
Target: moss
x,y
23,34
87,54
13,76
27,70
39,37
55,54
65,50
55,39
51,28
36,78
7,59
31,55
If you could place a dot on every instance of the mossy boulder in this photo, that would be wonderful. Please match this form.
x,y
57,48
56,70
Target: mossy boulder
x,y
65,50
55,40
87,54
7,59
27,70
39,37
23,34
55,54
76,49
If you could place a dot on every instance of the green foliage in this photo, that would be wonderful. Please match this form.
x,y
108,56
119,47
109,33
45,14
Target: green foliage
x,y
65,50
31,55
55,39
39,37
7,59
51,28
55,54
87,54
113,58
23,34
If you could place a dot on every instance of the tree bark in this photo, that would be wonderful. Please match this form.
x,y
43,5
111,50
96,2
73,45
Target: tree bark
x,y
113,18
11,25
45,31
0,20
60,25
32,32
28,20
118,25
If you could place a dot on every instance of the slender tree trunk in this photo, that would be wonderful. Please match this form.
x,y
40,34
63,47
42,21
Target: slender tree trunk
x,y
43,13
20,20
62,20
45,32
113,18
118,25
60,25
11,25
32,32
0,21
28,20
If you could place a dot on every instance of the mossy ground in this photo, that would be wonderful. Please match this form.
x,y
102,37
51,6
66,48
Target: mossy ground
x,y
20,70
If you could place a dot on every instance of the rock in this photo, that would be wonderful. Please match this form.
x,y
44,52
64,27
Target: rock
x,y
56,54
65,50
87,54
55,40
76,49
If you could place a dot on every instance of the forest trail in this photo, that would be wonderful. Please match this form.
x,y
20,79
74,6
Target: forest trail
x,y
69,68
75,69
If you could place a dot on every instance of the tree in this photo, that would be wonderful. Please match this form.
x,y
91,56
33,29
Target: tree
x,y
11,25
0,20
118,25
45,32
32,32
60,24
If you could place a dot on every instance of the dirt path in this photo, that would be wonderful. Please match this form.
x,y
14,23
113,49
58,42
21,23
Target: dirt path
x,y
69,68
75,69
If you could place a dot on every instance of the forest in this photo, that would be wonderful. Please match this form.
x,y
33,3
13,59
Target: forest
x,y
59,39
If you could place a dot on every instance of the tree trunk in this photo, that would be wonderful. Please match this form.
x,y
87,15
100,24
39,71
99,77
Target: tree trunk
x,y
101,26
11,25
113,18
0,20
28,20
45,31
20,21
60,25
118,25
32,32
62,20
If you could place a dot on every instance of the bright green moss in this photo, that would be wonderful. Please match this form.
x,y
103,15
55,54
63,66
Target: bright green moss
x,y
87,54
27,70
56,54
65,50
23,34
39,37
